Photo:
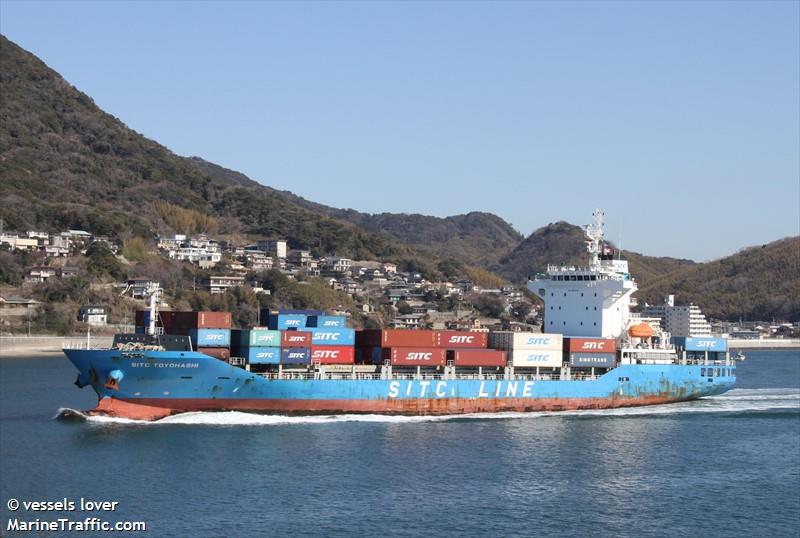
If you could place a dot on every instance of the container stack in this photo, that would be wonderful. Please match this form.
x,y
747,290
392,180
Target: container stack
x,y
530,350
142,321
259,345
210,332
308,336
468,349
590,352
331,342
401,348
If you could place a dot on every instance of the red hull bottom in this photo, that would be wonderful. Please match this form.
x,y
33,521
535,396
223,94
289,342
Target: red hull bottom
x,y
157,408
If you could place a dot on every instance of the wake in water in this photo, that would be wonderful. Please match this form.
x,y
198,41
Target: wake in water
x,y
734,401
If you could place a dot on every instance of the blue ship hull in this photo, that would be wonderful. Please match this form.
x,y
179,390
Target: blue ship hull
x,y
154,384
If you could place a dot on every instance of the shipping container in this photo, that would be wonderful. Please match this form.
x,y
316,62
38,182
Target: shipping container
x,y
286,321
140,330
201,320
395,338
548,358
210,337
461,339
477,357
295,339
326,321
296,355
510,341
142,317
305,312
341,336
259,355
369,355
333,354
590,345
415,356
600,360
222,353
256,337
700,343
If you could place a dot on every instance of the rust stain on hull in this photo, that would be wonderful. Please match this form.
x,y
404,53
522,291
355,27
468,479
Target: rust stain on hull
x,y
157,408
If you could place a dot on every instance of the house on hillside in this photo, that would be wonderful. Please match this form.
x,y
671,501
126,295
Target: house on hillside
x,y
94,315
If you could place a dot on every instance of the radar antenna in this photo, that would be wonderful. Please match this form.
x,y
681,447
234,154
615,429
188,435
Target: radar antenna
x,y
594,234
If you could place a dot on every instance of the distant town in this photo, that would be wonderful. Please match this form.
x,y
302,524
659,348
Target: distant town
x,y
405,300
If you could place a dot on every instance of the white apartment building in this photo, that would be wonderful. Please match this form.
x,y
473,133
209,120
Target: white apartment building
x,y
679,320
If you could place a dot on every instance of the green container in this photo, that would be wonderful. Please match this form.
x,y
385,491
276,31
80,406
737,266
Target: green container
x,y
258,338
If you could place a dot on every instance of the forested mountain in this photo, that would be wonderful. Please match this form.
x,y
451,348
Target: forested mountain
x,y
65,163
474,238
757,283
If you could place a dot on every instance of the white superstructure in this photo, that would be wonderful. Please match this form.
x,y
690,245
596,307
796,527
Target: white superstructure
x,y
591,301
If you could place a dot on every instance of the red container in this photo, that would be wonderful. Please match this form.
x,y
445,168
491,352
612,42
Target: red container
x,y
295,339
395,338
222,353
416,356
477,357
333,354
201,320
461,339
590,345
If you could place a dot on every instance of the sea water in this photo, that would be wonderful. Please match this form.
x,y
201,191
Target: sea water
x,y
727,465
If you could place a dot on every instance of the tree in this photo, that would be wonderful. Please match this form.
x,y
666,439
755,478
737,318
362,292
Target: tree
x,y
102,262
404,308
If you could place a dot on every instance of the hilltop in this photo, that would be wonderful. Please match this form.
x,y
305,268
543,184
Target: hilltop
x,y
67,164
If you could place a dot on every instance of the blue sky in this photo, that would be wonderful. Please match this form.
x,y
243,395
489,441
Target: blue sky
x,y
680,119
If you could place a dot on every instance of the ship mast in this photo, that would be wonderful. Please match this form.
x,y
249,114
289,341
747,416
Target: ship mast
x,y
154,291
594,243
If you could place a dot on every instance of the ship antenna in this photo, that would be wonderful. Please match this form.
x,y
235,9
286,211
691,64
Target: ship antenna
x,y
594,233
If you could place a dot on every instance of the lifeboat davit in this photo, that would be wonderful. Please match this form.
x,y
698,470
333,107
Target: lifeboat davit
x,y
642,330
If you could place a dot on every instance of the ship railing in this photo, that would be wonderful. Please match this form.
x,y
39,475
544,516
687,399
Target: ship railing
x,y
81,344
360,376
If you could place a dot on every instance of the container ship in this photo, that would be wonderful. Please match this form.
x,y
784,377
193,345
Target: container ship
x,y
593,353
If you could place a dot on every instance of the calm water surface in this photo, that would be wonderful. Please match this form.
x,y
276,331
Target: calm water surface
x,y
724,466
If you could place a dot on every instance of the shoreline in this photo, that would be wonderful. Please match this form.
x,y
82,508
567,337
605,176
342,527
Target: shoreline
x,y
42,346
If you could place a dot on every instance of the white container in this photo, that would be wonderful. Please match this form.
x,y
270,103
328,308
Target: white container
x,y
511,341
531,358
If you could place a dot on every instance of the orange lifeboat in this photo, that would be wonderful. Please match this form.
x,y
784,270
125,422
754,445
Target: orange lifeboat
x,y
642,330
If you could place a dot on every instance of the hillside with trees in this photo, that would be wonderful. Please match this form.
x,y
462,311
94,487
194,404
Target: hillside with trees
x,y
757,283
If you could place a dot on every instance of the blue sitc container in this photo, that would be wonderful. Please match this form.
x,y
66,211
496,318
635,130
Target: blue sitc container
x,y
210,337
284,322
295,355
260,355
333,336
139,329
324,322
701,343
